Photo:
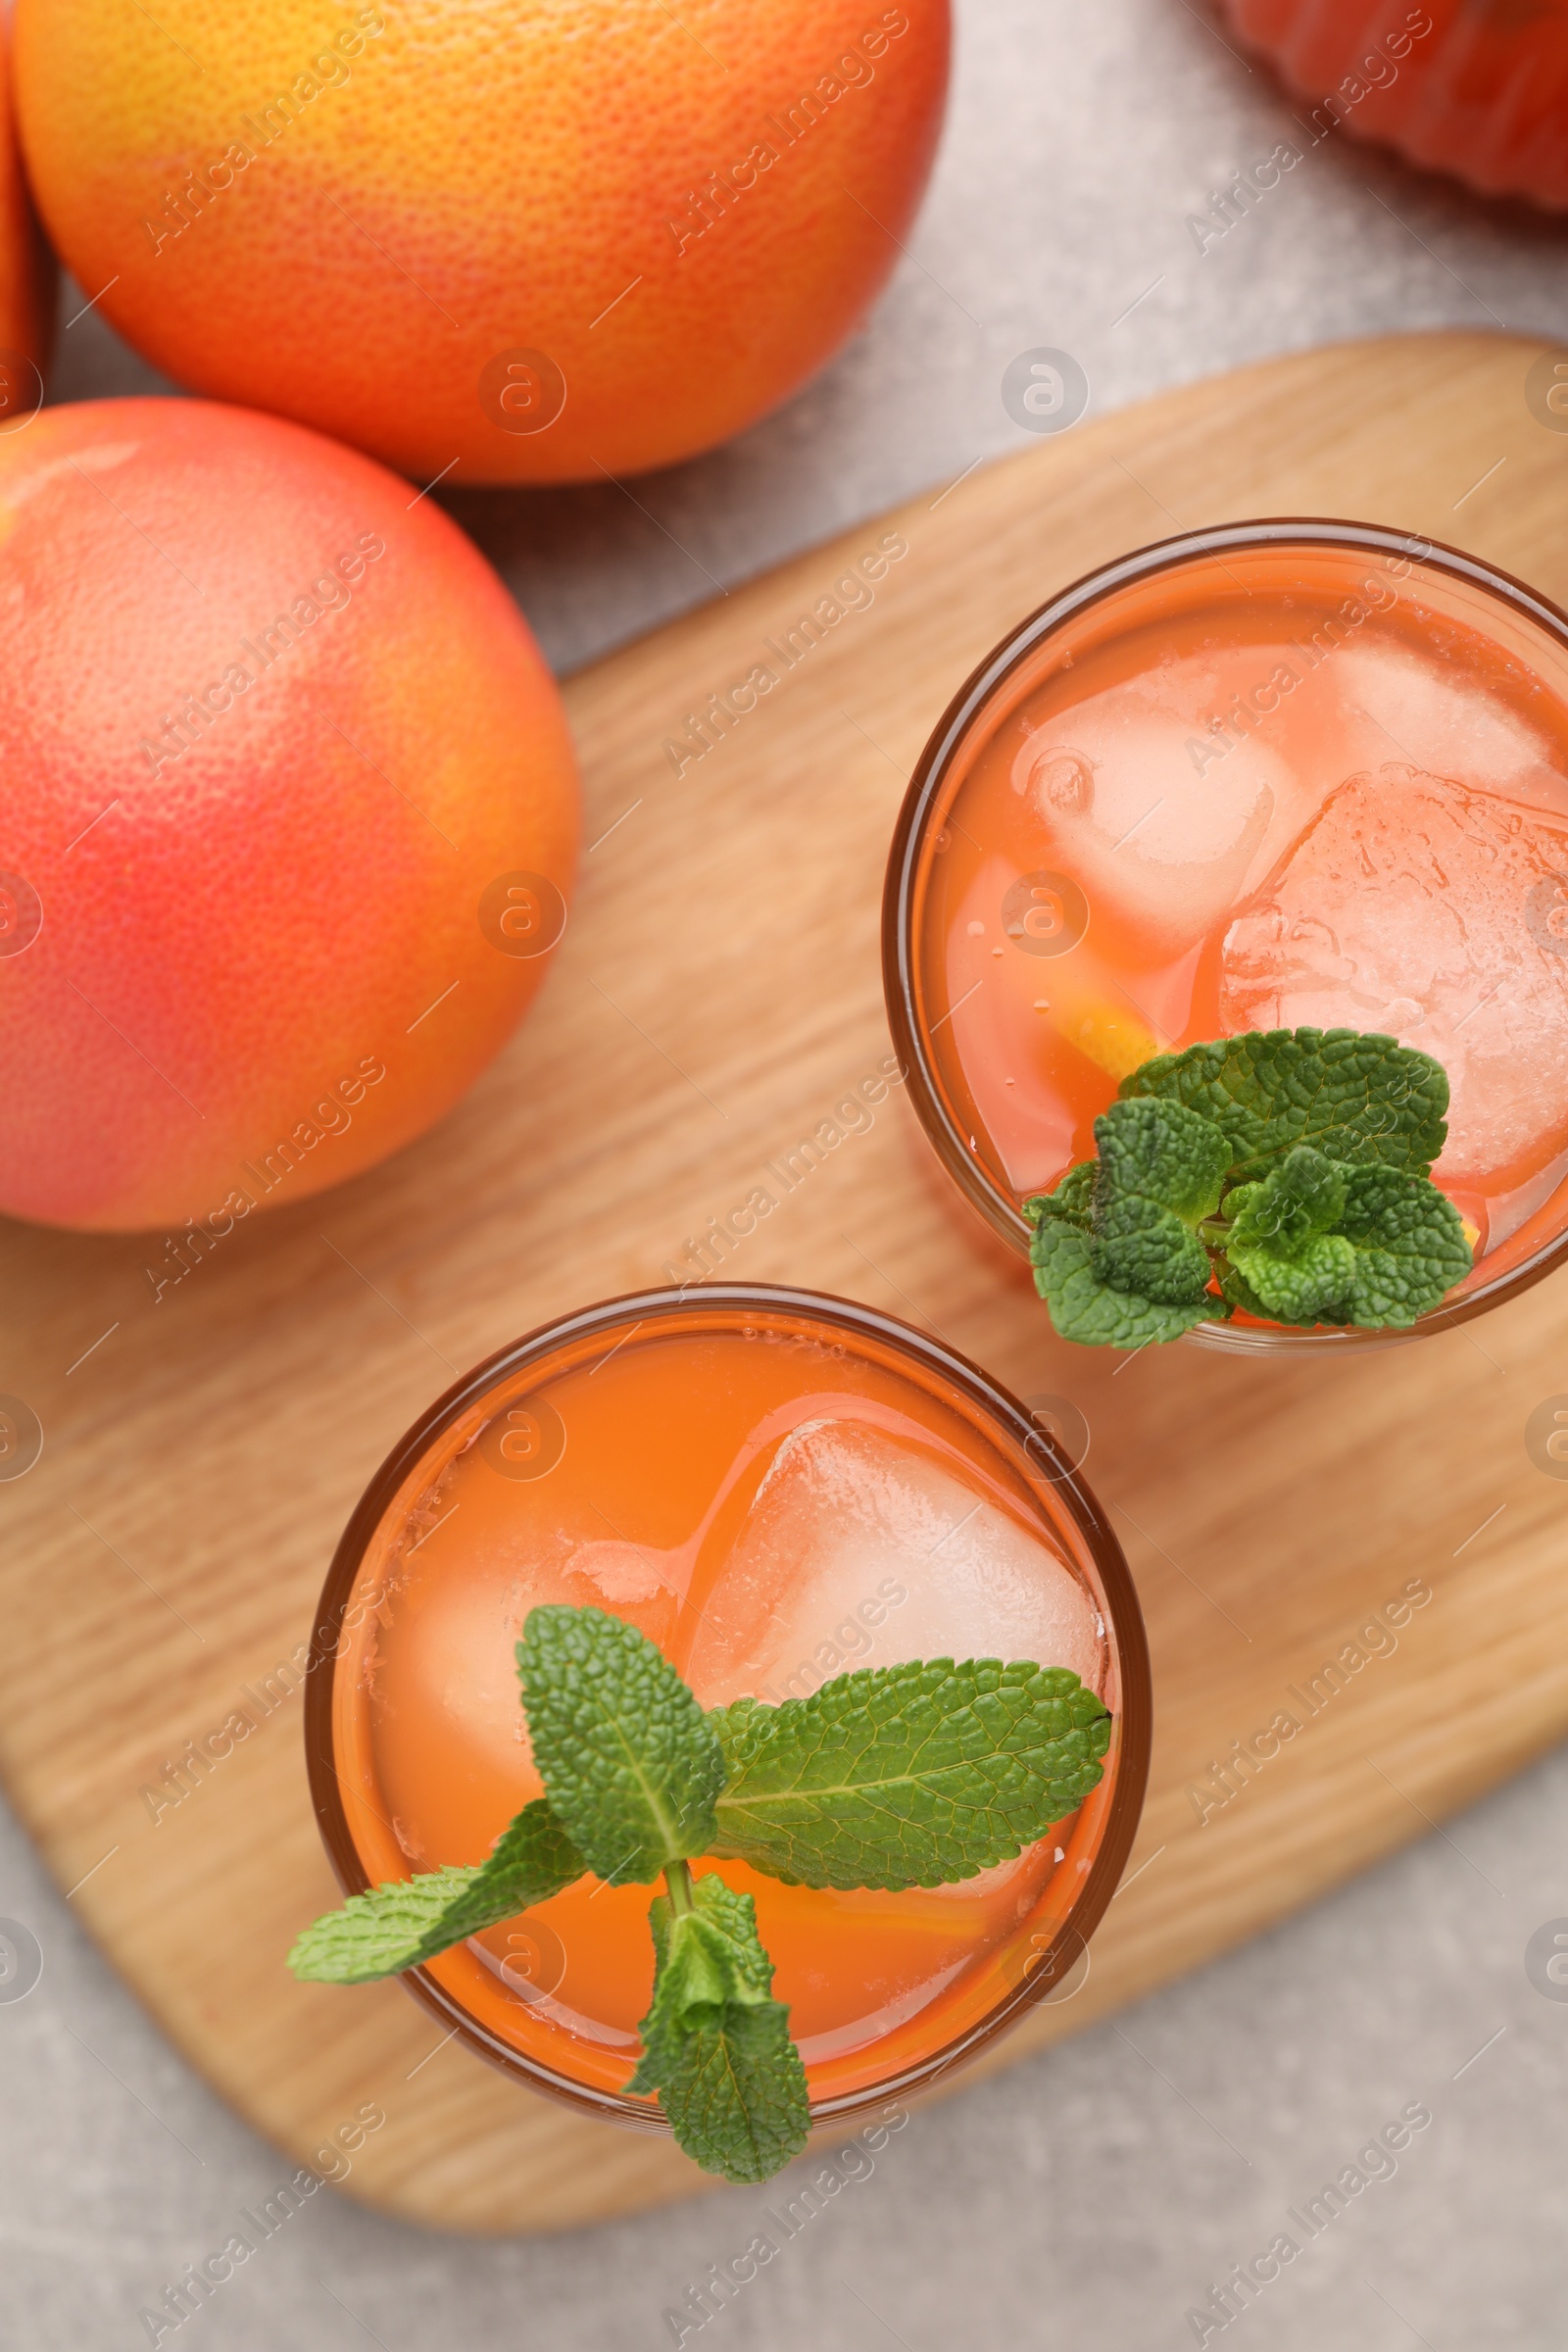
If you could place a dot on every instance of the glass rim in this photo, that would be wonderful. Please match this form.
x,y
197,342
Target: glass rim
x,y
1125,1625
952,731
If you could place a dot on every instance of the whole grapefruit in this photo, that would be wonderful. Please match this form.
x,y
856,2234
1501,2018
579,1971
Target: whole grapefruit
x,y
529,241
287,814
26,275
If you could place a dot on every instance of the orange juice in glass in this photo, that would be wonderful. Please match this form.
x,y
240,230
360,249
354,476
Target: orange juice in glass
x,y
775,1487
1270,776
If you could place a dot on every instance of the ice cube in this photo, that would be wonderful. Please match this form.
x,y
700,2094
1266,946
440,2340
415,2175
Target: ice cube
x,y
1394,702
863,1548
1157,824
1415,904
623,1574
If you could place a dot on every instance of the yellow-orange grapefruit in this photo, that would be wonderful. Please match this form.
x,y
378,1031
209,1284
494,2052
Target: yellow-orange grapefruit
x,y
528,240
287,812
26,275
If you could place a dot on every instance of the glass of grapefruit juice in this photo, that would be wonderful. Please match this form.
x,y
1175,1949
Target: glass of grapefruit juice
x,y
1270,775
775,1488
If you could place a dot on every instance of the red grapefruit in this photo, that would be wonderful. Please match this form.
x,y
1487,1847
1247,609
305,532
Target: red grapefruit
x,y
288,814
536,240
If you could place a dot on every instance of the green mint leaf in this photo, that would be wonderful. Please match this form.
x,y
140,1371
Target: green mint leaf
x,y
1086,1310
1072,1198
1281,1243
716,2045
737,2100
1398,1250
907,1776
1300,1197
1356,1097
1409,1243
630,1761
1237,1290
409,1921
1161,1171
1307,1285
704,1957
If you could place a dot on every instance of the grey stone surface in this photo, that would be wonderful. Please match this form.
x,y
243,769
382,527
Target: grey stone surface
x,y
1091,2195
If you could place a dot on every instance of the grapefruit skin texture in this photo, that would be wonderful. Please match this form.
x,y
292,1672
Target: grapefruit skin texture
x,y
215,935
26,273
443,190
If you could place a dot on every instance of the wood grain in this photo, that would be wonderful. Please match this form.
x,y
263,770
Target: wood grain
x,y
717,991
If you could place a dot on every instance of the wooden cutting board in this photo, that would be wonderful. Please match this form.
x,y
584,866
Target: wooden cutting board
x,y
718,992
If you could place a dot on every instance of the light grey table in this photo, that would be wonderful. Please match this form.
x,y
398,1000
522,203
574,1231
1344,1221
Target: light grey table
x,y
1095,2194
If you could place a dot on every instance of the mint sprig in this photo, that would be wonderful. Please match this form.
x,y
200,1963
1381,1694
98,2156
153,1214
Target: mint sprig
x,y
904,1775
1287,1173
